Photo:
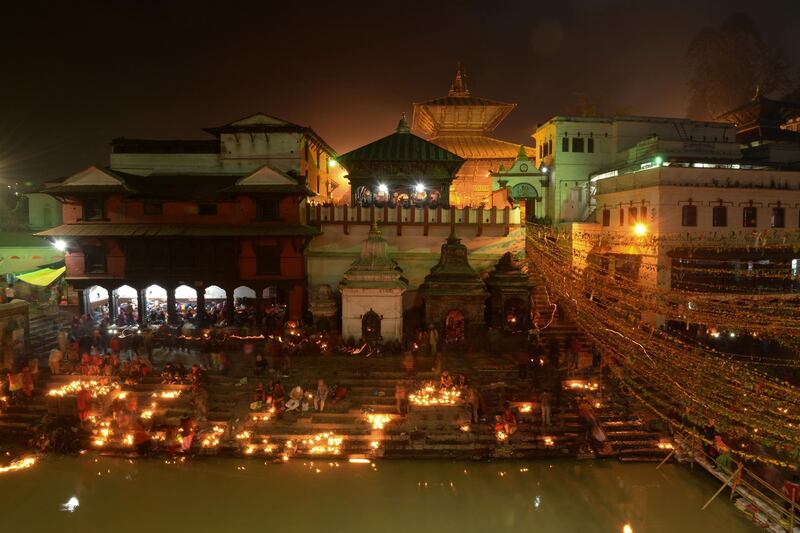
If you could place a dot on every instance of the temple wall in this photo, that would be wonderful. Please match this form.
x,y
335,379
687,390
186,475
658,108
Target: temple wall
x,y
331,254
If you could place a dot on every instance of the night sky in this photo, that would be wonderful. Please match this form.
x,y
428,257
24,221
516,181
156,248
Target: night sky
x,y
77,74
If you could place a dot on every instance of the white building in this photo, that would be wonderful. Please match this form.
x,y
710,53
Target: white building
x,y
571,149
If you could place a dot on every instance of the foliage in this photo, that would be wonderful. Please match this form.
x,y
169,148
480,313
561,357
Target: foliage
x,y
729,63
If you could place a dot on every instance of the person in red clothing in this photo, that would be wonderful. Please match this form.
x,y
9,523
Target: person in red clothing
x,y
187,427
339,392
84,404
115,345
141,438
27,382
278,396
509,419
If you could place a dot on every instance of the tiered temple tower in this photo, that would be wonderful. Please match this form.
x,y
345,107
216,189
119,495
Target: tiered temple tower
x,y
460,123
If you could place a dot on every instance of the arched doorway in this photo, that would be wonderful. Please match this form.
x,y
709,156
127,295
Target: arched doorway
x,y
185,302
514,314
454,326
155,301
371,326
526,194
214,297
126,298
97,303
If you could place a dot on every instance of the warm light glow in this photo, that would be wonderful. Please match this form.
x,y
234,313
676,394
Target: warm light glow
x,y
378,421
383,188
60,245
359,460
627,528
640,229
332,163
419,187
525,408
544,169
20,464
430,394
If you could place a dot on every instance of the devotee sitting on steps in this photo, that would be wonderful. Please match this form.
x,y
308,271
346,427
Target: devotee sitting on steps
x,y
295,397
339,393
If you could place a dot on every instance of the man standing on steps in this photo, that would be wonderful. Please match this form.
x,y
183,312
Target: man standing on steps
x,y
433,341
545,400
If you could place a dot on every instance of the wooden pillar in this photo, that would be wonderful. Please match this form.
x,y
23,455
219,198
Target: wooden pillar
x,y
229,310
296,298
399,221
345,220
426,223
141,301
82,307
201,303
112,305
171,312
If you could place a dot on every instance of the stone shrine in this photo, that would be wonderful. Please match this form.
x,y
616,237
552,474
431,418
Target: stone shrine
x,y
454,294
510,295
372,293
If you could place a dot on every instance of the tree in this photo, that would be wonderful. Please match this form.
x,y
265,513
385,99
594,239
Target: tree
x,y
729,63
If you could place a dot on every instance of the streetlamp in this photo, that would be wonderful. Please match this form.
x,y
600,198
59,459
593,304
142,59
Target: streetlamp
x,y
640,229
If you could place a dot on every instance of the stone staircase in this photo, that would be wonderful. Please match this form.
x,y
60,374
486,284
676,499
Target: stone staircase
x,y
42,334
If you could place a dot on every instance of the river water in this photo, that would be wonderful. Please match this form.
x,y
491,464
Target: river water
x,y
222,495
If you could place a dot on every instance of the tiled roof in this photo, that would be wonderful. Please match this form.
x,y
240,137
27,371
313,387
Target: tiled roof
x,y
479,147
400,147
463,101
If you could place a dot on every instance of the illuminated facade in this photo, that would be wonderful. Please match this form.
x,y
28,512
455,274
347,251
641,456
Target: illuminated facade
x,y
461,123
400,169
218,219
704,215
571,149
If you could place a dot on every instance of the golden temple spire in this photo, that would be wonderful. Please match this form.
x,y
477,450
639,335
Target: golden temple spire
x,y
459,87
402,126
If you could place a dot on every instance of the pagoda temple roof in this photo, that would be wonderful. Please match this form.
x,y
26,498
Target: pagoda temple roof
x,y
400,146
478,146
453,275
761,119
459,111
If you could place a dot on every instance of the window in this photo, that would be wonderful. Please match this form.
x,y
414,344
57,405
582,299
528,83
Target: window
x,y
633,215
268,260
590,145
606,217
550,146
577,144
153,208
93,209
719,216
621,216
94,258
268,209
689,215
206,209
565,144
778,217
643,214
750,217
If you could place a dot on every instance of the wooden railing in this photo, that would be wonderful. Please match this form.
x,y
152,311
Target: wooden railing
x,y
413,216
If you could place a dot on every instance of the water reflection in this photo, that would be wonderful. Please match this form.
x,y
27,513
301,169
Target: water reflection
x,y
389,496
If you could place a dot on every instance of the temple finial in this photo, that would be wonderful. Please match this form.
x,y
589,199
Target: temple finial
x,y
522,154
459,86
375,229
402,126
